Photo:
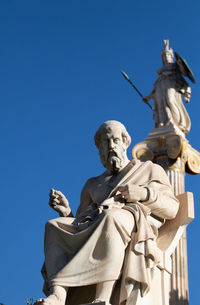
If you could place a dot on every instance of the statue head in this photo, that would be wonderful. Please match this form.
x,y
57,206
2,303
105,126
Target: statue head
x,y
167,54
112,141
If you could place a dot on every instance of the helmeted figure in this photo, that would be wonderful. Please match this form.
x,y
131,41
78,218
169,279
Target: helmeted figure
x,y
170,85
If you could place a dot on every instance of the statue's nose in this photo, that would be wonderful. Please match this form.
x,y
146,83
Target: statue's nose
x,y
111,144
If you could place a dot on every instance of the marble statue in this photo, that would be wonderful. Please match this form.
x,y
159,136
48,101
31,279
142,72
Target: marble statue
x,y
112,239
167,91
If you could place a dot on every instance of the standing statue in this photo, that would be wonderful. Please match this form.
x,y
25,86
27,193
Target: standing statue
x,y
170,85
112,239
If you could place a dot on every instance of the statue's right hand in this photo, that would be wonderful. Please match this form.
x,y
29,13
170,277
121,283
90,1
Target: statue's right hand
x,y
59,202
145,99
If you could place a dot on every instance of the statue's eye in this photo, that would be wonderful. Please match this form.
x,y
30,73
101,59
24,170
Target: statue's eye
x,y
116,140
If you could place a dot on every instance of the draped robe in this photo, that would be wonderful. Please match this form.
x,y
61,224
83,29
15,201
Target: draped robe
x,y
110,239
168,105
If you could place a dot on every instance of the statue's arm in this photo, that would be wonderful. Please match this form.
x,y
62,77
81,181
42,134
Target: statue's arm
x,y
161,200
149,97
86,199
157,194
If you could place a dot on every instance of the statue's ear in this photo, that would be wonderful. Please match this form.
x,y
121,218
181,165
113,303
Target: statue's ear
x,y
127,140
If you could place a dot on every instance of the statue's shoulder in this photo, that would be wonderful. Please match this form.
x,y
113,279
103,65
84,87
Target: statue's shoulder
x,y
150,167
167,69
154,166
157,167
139,163
92,182
156,172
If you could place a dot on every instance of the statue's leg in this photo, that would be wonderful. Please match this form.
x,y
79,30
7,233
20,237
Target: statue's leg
x,y
104,291
172,109
100,262
57,296
115,240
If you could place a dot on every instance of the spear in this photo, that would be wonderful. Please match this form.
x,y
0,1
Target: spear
x,y
129,80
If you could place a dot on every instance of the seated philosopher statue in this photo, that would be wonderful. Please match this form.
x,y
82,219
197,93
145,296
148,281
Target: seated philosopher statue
x,y
112,239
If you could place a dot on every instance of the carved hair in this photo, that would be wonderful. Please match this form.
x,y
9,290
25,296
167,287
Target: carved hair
x,y
106,127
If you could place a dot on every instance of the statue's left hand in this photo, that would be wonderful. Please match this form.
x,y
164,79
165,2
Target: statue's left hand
x,y
59,202
187,95
186,92
133,193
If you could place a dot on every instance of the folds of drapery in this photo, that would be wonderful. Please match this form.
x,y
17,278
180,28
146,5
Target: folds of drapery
x,y
114,243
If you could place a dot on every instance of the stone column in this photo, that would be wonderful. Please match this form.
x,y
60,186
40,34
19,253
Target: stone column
x,y
175,170
170,149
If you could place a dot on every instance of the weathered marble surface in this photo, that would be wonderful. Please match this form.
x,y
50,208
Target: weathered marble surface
x,y
112,239
166,94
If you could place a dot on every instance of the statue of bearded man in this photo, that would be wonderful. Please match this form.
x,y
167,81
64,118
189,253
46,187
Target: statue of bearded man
x,y
111,243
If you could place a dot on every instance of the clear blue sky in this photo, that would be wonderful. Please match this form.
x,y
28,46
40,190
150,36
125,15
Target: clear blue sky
x,y
59,80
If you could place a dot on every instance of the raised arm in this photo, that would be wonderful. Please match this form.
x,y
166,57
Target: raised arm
x,y
59,203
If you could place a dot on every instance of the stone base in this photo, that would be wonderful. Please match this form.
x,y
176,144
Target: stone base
x,y
165,131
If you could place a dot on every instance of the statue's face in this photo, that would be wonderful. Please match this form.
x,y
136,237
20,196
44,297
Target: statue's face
x,y
112,150
167,58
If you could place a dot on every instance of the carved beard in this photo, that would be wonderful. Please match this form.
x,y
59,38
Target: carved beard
x,y
113,161
114,164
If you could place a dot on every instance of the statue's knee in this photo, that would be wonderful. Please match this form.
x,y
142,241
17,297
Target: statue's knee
x,y
122,217
112,213
50,223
